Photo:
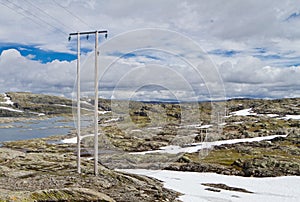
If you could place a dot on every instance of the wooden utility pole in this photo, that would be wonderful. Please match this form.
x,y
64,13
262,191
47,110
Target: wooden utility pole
x,y
95,98
78,104
96,107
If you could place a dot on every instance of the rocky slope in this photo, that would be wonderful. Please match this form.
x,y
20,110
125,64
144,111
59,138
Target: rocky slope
x,y
36,170
24,104
277,157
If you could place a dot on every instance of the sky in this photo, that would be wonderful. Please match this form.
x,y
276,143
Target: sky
x,y
155,50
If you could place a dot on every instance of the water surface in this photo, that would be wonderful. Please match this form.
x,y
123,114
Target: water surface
x,y
29,129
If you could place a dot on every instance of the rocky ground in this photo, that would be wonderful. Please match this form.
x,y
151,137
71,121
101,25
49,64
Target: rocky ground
x,y
37,169
277,157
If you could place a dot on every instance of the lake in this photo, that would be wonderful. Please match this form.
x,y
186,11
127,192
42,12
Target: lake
x,y
29,129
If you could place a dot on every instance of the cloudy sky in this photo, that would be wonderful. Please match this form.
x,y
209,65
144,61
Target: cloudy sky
x,y
156,49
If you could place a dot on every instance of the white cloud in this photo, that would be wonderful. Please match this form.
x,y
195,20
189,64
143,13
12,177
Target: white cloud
x,y
250,77
19,73
246,22
231,25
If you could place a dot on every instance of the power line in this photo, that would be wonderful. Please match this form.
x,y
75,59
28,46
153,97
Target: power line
x,y
36,22
71,13
64,25
35,16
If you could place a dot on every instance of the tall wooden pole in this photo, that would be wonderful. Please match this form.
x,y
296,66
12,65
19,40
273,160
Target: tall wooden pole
x,y
96,107
78,103
96,97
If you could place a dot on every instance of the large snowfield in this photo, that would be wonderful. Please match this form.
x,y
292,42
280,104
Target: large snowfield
x,y
190,185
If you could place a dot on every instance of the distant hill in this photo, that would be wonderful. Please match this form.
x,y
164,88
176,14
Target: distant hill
x,y
16,104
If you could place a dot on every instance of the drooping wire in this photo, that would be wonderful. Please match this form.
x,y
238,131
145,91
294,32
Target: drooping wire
x,y
72,14
53,18
32,19
34,16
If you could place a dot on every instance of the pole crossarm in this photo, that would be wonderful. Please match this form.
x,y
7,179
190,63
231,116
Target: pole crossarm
x,y
90,32
96,97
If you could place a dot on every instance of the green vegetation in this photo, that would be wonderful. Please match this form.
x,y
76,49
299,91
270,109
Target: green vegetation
x,y
280,156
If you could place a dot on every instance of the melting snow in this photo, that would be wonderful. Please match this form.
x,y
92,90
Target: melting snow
x,y
73,140
248,112
295,117
272,115
112,120
38,114
174,149
103,112
11,109
190,184
204,126
190,126
154,128
7,100
244,112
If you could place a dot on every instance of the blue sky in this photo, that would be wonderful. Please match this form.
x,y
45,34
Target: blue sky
x,y
293,16
254,44
34,53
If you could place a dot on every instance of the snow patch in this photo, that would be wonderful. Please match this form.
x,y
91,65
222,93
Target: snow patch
x,y
11,109
238,122
7,100
272,115
154,128
136,130
60,105
38,114
190,184
204,126
85,102
73,140
195,147
294,117
244,112
112,120
103,112
190,126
